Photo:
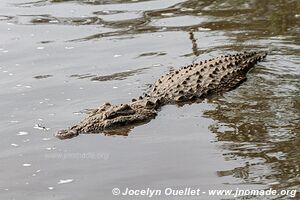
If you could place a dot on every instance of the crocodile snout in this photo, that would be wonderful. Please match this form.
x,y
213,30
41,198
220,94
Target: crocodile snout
x,y
66,134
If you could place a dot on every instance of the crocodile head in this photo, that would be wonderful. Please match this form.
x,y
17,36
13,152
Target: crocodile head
x,y
112,119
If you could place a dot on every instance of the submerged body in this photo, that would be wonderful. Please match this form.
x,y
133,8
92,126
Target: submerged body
x,y
188,84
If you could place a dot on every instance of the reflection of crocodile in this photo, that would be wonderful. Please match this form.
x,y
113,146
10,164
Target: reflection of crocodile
x,y
189,84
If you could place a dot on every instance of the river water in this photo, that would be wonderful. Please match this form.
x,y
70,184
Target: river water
x,y
59,58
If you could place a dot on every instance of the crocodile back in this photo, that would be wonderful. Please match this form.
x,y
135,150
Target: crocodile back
x,y
206,77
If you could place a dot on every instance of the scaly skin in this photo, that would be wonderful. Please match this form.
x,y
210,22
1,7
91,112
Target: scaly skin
x,y
189,84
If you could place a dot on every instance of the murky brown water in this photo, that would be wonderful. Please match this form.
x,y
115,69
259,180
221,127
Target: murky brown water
x,y
59,58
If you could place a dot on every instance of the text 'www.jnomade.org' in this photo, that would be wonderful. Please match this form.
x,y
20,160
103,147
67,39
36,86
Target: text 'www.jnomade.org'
x,y
148,192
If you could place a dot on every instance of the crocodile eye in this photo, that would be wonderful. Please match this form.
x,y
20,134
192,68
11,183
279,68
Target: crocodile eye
x,y
149,104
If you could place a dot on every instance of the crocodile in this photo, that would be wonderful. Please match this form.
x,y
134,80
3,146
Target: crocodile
x,y
189,84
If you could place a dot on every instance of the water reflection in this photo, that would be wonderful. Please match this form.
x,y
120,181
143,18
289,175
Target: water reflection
x,y
243,19
263,125
94,2
115,76
42,76
98,2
